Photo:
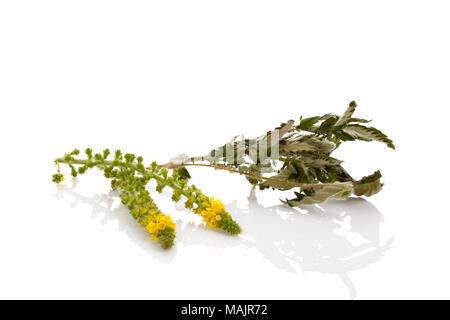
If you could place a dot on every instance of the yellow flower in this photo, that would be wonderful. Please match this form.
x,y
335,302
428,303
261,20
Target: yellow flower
x,y
212,211
217,205
152,227
161,226
153,237
63,178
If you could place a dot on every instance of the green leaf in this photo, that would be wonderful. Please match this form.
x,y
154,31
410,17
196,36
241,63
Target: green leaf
x,y
286,173
253,169
320,161
343,136
369,185
347,114
358,120
308,123
327,124
306,143
183,173
367,134
335,191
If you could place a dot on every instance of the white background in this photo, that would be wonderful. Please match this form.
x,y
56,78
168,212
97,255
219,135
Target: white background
x,y
159,78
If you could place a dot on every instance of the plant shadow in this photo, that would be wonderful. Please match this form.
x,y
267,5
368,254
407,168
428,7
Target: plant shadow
x,y
105,208
335,238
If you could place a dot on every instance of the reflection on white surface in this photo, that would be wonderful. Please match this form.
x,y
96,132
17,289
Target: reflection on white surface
x,y
104,204
334,238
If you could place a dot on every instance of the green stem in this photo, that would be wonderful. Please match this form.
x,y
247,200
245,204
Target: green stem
x,y
173,184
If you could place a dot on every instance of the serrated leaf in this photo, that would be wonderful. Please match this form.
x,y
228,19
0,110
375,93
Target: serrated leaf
x,y
335,191
369,185
347,114
307,143
327,124
285,174
308,123
367,134
320,162
343,136
358,120
297,147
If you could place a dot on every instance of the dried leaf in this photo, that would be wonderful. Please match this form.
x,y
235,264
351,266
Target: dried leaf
x,y
369,185
347,114
336,191
367,134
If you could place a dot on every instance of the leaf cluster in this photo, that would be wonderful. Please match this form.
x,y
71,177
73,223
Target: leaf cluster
x,y
305,157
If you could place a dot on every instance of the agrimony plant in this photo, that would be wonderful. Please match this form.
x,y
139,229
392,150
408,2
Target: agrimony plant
x,y
294,156
129,176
